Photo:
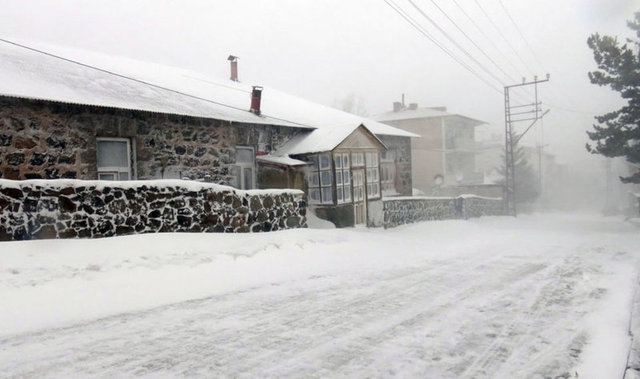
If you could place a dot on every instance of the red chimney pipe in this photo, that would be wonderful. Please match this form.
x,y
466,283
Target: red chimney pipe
x,y
256,96
234,67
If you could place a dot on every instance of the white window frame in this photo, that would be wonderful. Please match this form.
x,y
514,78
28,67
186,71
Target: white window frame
x,y
388,172
321,186
246,165
342,164
114,170
373,174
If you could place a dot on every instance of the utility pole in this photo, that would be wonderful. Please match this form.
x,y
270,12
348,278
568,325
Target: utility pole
x,y
514,114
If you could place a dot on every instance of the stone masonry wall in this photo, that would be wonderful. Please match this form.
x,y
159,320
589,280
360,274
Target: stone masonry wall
x,y
38,209
49,140
476,206
402,148
406,210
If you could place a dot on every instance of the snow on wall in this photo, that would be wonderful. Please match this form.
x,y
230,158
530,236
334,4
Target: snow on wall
x,y
40,209
406,210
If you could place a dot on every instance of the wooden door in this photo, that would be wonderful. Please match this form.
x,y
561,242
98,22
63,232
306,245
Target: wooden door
x,y
359,203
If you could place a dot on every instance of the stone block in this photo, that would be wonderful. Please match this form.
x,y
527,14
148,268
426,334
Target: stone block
x,y
15,159
5,139
56,142
24,142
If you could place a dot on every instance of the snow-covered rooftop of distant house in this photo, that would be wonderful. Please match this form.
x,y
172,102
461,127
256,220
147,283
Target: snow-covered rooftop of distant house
x,y
105,80
424,112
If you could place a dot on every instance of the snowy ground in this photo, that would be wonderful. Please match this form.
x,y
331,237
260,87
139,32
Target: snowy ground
x,y
537,296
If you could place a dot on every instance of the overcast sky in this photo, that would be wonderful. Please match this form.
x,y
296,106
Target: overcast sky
x,y
326,50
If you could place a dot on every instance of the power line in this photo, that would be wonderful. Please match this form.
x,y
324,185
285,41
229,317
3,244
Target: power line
x,y
520,95
454,42
503,37
416,26
521,34
570,110
473,42
138,80
485,35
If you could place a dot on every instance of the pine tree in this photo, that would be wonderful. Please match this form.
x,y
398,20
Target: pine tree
x,y
527,184
618,132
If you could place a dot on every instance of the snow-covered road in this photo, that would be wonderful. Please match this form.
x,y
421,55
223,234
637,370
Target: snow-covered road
x,y
538,296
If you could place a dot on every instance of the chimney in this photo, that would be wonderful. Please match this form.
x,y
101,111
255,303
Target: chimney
x,y
234,67
413,106
256,95
397,106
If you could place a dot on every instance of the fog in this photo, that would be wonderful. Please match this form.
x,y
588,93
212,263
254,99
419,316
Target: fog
x,y
333,50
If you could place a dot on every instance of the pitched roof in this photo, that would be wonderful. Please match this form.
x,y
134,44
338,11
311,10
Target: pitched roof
x,y
319,140
424,112
67,75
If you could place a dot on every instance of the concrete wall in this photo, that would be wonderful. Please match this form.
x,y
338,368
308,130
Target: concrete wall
x,y
427,151
37,209
407,210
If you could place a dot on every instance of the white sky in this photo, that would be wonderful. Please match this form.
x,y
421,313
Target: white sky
x,y
325,50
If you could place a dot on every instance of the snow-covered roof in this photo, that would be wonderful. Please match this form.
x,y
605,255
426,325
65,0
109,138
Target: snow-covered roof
x,y
281,160
319,140
424,112
47,72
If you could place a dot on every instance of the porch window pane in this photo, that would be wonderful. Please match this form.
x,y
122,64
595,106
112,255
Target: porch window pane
x,y
345,160
347,194
337,159
314,195
327,195
324,161
325,178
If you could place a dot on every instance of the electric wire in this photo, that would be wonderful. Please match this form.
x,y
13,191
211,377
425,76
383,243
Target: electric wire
x,y
556,95
139,81
473,42
464,51
533,53
503,37
473,22
523,95
421,30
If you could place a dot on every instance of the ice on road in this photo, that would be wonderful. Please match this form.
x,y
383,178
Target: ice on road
x,y
537,296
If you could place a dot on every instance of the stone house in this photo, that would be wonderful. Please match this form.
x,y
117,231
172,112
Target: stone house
x,y
445,153
79,115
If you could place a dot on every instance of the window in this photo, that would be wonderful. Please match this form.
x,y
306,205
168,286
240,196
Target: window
x,y
244,170
388,172
343,177
373,175
114,159
357,160
320,180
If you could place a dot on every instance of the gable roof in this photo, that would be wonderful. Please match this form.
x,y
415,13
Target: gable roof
x,y
320,140
424,112
67,75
